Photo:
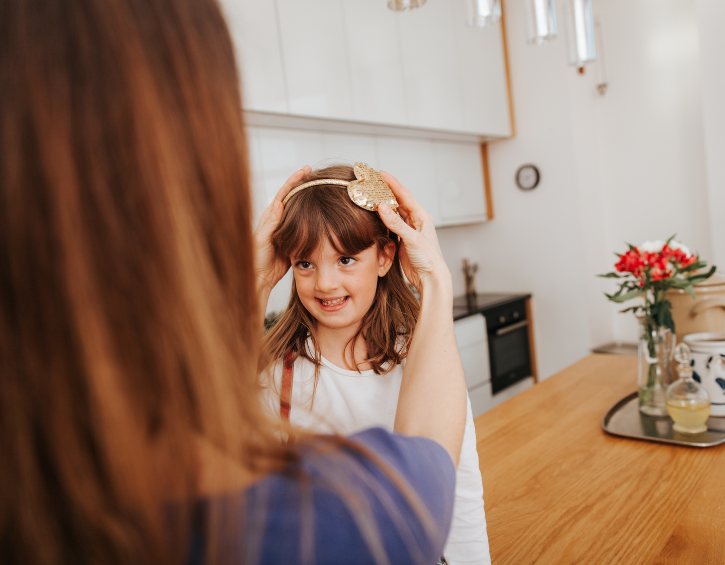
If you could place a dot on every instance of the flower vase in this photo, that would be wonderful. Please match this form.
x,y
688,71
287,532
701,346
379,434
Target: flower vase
x,y
656,348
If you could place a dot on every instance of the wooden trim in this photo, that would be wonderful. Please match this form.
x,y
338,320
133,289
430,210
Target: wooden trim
x,y
532,345
486,181
508,71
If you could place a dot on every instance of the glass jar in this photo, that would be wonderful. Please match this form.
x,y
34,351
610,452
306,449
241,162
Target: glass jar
x,y
687,402
656,347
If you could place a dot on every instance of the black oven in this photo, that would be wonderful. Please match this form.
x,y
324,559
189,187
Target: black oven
x,y
508,344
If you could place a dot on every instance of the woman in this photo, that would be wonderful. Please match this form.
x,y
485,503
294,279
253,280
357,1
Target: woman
x,y
131,431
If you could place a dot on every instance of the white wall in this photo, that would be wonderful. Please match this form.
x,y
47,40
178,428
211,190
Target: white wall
x,y
533,244
624,167
711,19
650,127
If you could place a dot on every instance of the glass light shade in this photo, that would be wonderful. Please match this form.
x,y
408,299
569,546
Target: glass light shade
x,y
482,13
540,21
580,32
400,5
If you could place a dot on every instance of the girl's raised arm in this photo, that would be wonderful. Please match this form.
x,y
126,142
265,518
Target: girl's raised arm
x,y
269,268
432,401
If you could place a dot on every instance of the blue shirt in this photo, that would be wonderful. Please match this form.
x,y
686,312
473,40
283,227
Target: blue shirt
x,y
321,508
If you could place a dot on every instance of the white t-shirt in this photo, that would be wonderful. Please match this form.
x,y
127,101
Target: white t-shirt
x,y
346,402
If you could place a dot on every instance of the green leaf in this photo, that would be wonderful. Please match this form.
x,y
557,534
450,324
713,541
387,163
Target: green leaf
x,y
631,247
627,296
704,276
612,276
679,283
671,238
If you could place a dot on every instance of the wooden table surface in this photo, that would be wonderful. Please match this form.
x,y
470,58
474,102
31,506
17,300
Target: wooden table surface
x,y
558,490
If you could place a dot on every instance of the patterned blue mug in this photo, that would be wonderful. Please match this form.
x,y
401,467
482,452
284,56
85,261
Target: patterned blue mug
x,y
708,364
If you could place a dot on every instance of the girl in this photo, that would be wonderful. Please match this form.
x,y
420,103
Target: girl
x,y
334,360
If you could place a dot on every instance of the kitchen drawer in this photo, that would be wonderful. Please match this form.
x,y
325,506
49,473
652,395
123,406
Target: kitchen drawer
x,y
475,364
473,349
470,330
481,399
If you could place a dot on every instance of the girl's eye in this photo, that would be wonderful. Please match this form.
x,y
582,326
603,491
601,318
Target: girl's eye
x,y
345,261
304,265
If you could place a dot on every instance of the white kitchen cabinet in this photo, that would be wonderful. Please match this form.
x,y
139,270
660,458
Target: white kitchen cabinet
x,y
432,78
481,399
253,26
460,183
282,152
484,86
315,58
445,177
358,62
349,149
473,348
411,161
376,73
256,175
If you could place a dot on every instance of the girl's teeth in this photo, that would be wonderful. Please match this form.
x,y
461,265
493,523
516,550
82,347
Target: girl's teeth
x,y
333,302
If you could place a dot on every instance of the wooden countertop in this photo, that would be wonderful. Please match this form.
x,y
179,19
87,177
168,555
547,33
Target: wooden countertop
x,y
558,490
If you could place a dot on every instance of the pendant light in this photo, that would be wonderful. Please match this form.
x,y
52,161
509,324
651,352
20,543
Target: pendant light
x,y
483,13
580,32
540,21
400,5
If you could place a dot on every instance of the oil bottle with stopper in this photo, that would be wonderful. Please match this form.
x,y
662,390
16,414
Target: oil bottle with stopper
x,y
687,402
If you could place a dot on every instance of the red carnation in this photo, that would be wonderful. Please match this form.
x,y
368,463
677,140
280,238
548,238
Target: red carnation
x,y
631,262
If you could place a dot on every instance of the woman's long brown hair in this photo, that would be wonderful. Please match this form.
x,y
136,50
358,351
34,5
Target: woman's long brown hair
x,y
325,212
127,310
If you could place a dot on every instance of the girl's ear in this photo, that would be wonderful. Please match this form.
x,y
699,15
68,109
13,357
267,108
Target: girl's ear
x,y
385,259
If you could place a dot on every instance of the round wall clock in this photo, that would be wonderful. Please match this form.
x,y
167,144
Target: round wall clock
x,y
527,177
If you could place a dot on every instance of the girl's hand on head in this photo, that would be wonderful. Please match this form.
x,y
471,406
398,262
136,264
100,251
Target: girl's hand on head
x,y
269,268
420,254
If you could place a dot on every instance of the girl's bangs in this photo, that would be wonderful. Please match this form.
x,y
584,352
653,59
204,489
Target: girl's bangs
x,y
326,212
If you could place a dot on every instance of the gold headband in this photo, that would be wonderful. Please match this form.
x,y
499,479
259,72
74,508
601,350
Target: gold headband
x,y
367,191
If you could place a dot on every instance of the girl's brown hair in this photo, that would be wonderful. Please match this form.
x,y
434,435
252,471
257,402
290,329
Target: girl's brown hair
x,y
325,212
127,307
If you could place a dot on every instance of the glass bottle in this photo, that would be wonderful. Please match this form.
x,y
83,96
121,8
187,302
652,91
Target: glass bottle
x,y
687,402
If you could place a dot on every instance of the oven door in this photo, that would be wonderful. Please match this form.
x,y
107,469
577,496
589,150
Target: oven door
x,y
508,349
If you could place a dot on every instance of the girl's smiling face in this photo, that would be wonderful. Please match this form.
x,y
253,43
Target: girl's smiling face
x,y
337,289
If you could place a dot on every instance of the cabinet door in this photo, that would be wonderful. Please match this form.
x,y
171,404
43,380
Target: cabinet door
x,y
256,175
460,182
253,26
431,75
315,58
483,76
481,399
283,152
473,349
349,149
375,63
411,161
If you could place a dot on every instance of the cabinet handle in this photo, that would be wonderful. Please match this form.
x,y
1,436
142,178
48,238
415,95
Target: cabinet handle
x,y
512,327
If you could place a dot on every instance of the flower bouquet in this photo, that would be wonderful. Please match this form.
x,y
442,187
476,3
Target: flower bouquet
x,y
649,271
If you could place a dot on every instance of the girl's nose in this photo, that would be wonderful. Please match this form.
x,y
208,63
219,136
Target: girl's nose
x,y
327,280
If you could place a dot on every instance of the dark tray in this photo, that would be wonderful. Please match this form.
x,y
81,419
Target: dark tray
x,y
625,420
